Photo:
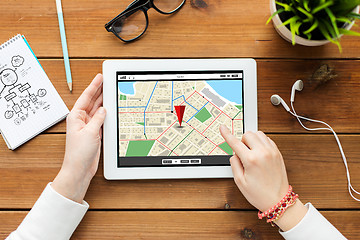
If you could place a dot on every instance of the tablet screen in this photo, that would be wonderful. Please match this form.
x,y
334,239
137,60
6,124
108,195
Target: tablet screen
x,y
173,118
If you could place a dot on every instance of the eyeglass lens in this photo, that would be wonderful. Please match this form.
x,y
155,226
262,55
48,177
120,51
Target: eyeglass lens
x,y
167,6
130,26
134,24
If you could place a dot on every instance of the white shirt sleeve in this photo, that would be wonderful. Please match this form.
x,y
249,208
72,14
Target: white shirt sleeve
x,y
313,226
52,217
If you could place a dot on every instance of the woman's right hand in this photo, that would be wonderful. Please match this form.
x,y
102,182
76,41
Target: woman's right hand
x,y
260,174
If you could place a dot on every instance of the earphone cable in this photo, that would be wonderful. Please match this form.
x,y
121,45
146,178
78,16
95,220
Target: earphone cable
x,y
298,117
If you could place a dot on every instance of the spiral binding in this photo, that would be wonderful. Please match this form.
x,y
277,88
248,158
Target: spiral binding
x,y
10,41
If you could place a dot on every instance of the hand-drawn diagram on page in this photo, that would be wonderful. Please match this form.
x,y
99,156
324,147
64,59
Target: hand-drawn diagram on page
x,y
21,99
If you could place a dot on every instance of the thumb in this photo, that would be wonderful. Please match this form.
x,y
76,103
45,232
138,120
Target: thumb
x,y
97,120
237,169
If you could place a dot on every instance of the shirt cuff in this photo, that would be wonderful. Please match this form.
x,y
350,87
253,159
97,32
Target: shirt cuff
x,y
52,217
313,226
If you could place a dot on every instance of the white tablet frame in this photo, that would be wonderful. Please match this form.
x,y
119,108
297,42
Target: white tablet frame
x,y
110,67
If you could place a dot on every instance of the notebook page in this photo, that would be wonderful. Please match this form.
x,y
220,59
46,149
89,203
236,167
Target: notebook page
x,y
29,103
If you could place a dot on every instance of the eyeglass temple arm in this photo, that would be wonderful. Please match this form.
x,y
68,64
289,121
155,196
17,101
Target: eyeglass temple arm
x,y
132,5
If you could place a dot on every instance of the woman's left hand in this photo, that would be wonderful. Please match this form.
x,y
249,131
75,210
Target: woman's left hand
x,y
83,142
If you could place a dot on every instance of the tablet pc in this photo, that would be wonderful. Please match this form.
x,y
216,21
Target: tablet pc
x,y
163,116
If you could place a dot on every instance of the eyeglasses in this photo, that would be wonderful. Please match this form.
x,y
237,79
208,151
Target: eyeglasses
x,y
133,22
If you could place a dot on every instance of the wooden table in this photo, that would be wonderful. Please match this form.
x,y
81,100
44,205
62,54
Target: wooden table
x,y
190,209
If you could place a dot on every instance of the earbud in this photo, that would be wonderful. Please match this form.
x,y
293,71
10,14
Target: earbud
x,y
276,100
298,86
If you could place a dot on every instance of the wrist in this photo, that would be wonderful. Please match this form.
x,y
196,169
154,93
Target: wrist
x,y
292,216
71,185
287,213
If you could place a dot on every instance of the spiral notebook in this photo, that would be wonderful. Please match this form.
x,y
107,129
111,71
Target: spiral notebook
x,y
29,103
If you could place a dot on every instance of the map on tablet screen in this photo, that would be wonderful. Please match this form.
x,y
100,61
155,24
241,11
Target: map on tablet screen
x,y
171,117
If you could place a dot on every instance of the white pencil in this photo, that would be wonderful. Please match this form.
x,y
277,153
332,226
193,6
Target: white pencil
x,y
64,44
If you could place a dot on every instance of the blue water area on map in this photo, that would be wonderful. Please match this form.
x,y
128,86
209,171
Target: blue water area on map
x,y
228,89
126,87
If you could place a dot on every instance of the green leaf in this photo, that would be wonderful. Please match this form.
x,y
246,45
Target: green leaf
x,y
333,21
343,19
321,7
330,29
309,15
287,7
293,34
312,28
325,33
277,12
289,21
353,15
296,27
349,32
306,5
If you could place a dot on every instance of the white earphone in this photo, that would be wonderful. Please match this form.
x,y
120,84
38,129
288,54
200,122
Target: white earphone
x,y
298,86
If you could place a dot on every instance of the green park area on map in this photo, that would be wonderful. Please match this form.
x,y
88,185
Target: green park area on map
x,y
139,148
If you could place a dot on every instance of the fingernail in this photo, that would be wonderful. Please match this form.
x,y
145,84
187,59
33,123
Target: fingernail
x,y
101,110
223,128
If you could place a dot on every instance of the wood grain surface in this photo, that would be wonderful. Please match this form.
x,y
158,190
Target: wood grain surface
x,y
181,225
229,28
195,208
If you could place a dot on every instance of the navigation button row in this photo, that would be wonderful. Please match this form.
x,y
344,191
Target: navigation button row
x,y
181,161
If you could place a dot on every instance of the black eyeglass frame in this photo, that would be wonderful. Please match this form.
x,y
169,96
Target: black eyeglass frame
x,y
137,5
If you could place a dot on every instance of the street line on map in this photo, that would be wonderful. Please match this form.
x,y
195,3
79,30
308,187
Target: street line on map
x,y
212,122
172,95
201,134
166,147
147,112
197,112
222,149
178,97
148,105
122,140
212,150
133,107
237,114
186,101
181,141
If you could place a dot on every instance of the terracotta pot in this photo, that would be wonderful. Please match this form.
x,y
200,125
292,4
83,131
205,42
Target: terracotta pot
x,y
285,33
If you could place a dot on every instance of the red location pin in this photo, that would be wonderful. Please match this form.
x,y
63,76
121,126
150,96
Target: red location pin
x,y
180,113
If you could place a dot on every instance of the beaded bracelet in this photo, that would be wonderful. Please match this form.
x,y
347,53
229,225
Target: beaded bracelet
x,y
278,210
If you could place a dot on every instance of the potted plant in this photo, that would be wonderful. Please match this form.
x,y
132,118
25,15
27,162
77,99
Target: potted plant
x,y
314,22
